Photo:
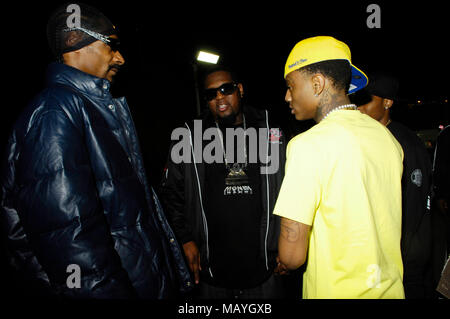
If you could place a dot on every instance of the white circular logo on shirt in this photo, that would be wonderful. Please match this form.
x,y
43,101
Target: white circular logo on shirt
x,y
416,177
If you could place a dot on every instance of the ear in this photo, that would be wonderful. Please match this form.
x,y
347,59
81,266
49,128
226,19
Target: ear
x,y
318,83
241,90
387,103
72,39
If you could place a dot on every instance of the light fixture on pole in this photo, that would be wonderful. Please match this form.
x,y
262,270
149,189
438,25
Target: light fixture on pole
x,y
206,57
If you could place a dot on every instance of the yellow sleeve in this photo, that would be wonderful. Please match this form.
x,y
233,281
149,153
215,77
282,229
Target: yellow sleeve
x,y
300,191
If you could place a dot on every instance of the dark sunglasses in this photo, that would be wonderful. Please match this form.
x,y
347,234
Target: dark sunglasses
x,y
113,43
224,89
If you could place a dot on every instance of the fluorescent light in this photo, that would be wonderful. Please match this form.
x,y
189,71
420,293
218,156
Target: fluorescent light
x,y
207,57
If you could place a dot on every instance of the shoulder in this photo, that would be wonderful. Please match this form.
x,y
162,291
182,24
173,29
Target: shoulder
x,y
49,104
62,96
319,134
54,99
308,142
406,137
444,135
259,117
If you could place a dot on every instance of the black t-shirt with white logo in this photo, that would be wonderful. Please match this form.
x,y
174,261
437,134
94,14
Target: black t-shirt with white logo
x,y
234,213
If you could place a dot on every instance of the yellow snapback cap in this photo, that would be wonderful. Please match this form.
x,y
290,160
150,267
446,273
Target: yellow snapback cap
x,y
323,48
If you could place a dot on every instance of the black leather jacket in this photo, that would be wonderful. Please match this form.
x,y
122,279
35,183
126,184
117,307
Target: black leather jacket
x,y
74,191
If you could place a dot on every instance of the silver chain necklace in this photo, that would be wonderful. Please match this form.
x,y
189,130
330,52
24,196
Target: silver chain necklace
x,y
236,175
345,106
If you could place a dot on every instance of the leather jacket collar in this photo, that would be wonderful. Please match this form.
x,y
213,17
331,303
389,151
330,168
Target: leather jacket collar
x,y
59,73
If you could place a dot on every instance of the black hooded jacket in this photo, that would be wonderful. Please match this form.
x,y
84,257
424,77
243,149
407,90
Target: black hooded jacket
x,y
182,193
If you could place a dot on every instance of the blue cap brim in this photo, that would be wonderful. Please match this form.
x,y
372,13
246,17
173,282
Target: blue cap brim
x,y
359,80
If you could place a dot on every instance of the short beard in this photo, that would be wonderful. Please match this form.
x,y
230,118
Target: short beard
x,y
228,120
114,66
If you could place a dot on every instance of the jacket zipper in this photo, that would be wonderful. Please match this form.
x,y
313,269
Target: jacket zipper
x,y
267,193
205,223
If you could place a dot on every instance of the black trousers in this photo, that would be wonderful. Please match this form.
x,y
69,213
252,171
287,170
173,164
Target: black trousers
x,y
272,288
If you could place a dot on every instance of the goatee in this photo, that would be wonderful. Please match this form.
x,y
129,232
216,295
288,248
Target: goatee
x,y
228,120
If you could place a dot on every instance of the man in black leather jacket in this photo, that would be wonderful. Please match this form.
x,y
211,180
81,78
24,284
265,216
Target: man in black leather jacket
x,y
78,215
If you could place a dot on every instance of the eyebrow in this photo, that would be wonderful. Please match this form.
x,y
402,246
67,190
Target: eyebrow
x,y
215,88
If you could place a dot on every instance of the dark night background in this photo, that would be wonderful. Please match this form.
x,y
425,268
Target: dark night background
x,y
161,40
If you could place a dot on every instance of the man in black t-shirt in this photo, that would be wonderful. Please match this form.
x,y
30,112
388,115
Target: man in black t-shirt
x,y
221,210
234,213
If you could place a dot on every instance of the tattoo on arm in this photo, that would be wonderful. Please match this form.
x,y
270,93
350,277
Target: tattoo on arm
x,y
290,230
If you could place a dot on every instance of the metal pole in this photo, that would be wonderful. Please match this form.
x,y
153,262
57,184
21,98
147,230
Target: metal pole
x,y
197,93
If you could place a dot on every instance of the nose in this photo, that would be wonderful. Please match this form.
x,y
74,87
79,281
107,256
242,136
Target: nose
x,y
288,96
219,95
119,59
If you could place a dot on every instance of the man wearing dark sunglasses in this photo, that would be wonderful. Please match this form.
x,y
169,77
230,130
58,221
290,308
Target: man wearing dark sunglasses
x,y
224,101
100,58
222,212
80,218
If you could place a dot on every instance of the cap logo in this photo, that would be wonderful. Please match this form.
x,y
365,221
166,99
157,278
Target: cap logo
x,y
297,63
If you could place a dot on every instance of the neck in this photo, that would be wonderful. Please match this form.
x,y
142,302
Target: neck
x,y
231,120
386,119
73,60
330,100
239,119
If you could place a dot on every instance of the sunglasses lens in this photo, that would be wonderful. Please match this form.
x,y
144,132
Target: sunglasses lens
x,y
225,89
114,44
210,94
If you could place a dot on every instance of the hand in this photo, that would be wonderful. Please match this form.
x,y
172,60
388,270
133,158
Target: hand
x,y
193,257
280,269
